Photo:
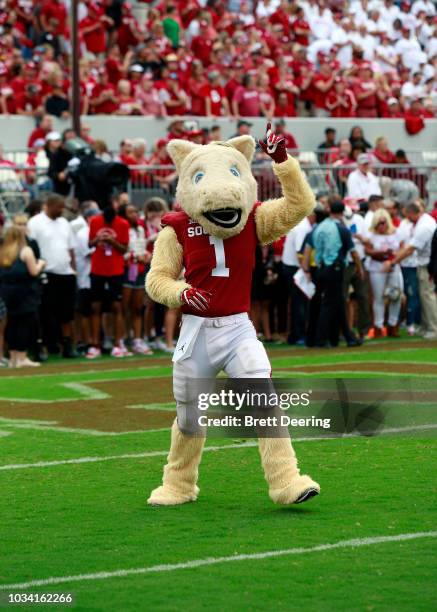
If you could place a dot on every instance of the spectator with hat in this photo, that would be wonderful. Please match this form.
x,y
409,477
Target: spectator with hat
x,y
362,183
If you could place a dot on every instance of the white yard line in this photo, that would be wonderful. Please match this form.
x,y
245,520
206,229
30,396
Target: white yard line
x,y
73,430
350,373
78,460
260,556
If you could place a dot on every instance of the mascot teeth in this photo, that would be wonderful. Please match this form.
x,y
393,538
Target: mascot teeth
x,y
224,217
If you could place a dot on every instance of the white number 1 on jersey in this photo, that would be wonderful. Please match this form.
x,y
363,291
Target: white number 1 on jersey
x,y
220,263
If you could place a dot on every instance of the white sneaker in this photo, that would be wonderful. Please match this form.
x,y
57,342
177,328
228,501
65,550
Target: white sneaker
x,y
93,352
27,363
411,330
120,351
430,335
140,347
169,349
159,344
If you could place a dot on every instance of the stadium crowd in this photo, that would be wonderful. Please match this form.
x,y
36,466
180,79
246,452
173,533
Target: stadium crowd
x,y
239,58
73,282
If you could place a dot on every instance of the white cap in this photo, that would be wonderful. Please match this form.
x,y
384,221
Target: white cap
x,y
53,136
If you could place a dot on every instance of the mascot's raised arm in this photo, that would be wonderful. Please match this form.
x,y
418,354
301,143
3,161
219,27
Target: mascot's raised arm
x,y
213,239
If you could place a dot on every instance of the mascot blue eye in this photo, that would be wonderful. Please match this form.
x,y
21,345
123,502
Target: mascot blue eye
x,y
198,177
234,170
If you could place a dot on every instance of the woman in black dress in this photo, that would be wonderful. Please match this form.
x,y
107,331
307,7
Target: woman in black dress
x,y
19,288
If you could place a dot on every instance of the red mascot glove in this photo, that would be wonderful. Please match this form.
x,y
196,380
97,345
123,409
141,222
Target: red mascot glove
x,y
196,298
274,145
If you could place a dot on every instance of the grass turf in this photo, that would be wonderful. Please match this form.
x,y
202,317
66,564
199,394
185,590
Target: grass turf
x,y
84,518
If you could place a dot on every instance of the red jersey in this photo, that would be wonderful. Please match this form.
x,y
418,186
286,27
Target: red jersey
x,y
223,267
106,260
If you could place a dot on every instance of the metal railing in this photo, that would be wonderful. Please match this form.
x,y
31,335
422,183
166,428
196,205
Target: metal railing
x,y
416,157
18,185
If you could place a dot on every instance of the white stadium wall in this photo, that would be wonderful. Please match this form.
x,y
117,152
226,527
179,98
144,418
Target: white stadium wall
x,y
308,132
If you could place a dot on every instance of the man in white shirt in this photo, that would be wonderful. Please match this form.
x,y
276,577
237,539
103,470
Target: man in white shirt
x,y
291,263
362,183
55,239
426,6
80,221
342,38
420,243
411,90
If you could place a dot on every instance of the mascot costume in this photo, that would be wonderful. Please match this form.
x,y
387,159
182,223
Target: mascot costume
x,y
213,239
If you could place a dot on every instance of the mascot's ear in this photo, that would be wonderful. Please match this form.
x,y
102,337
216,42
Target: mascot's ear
x,y
179,149
244,144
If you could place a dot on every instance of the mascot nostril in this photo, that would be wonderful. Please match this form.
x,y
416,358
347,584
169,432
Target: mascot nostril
x,y
213,239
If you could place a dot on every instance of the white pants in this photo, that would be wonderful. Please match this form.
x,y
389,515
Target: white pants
x,y
378,280
209,346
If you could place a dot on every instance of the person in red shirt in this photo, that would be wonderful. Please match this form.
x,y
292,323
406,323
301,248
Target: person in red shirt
x,y
176,129
290,141
27,75
115,65
201,45
283,108
216,102
54,9
127,103
393,109
282,16
246,101
93,29
40,132
340,101
171,94
129,32
163,176
323,82
104,100
30,101
195,84
285,83
7,96
109,236
301,28
415,117
382,152
365,91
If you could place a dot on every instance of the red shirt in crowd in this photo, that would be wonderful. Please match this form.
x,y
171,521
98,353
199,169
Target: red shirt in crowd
x,y
319,97
201,48
346,108
368,106
106,107
215,94
106,260
95,41
55,9
248,102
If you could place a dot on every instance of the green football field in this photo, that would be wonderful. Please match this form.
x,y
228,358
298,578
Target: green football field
x,y
83,444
